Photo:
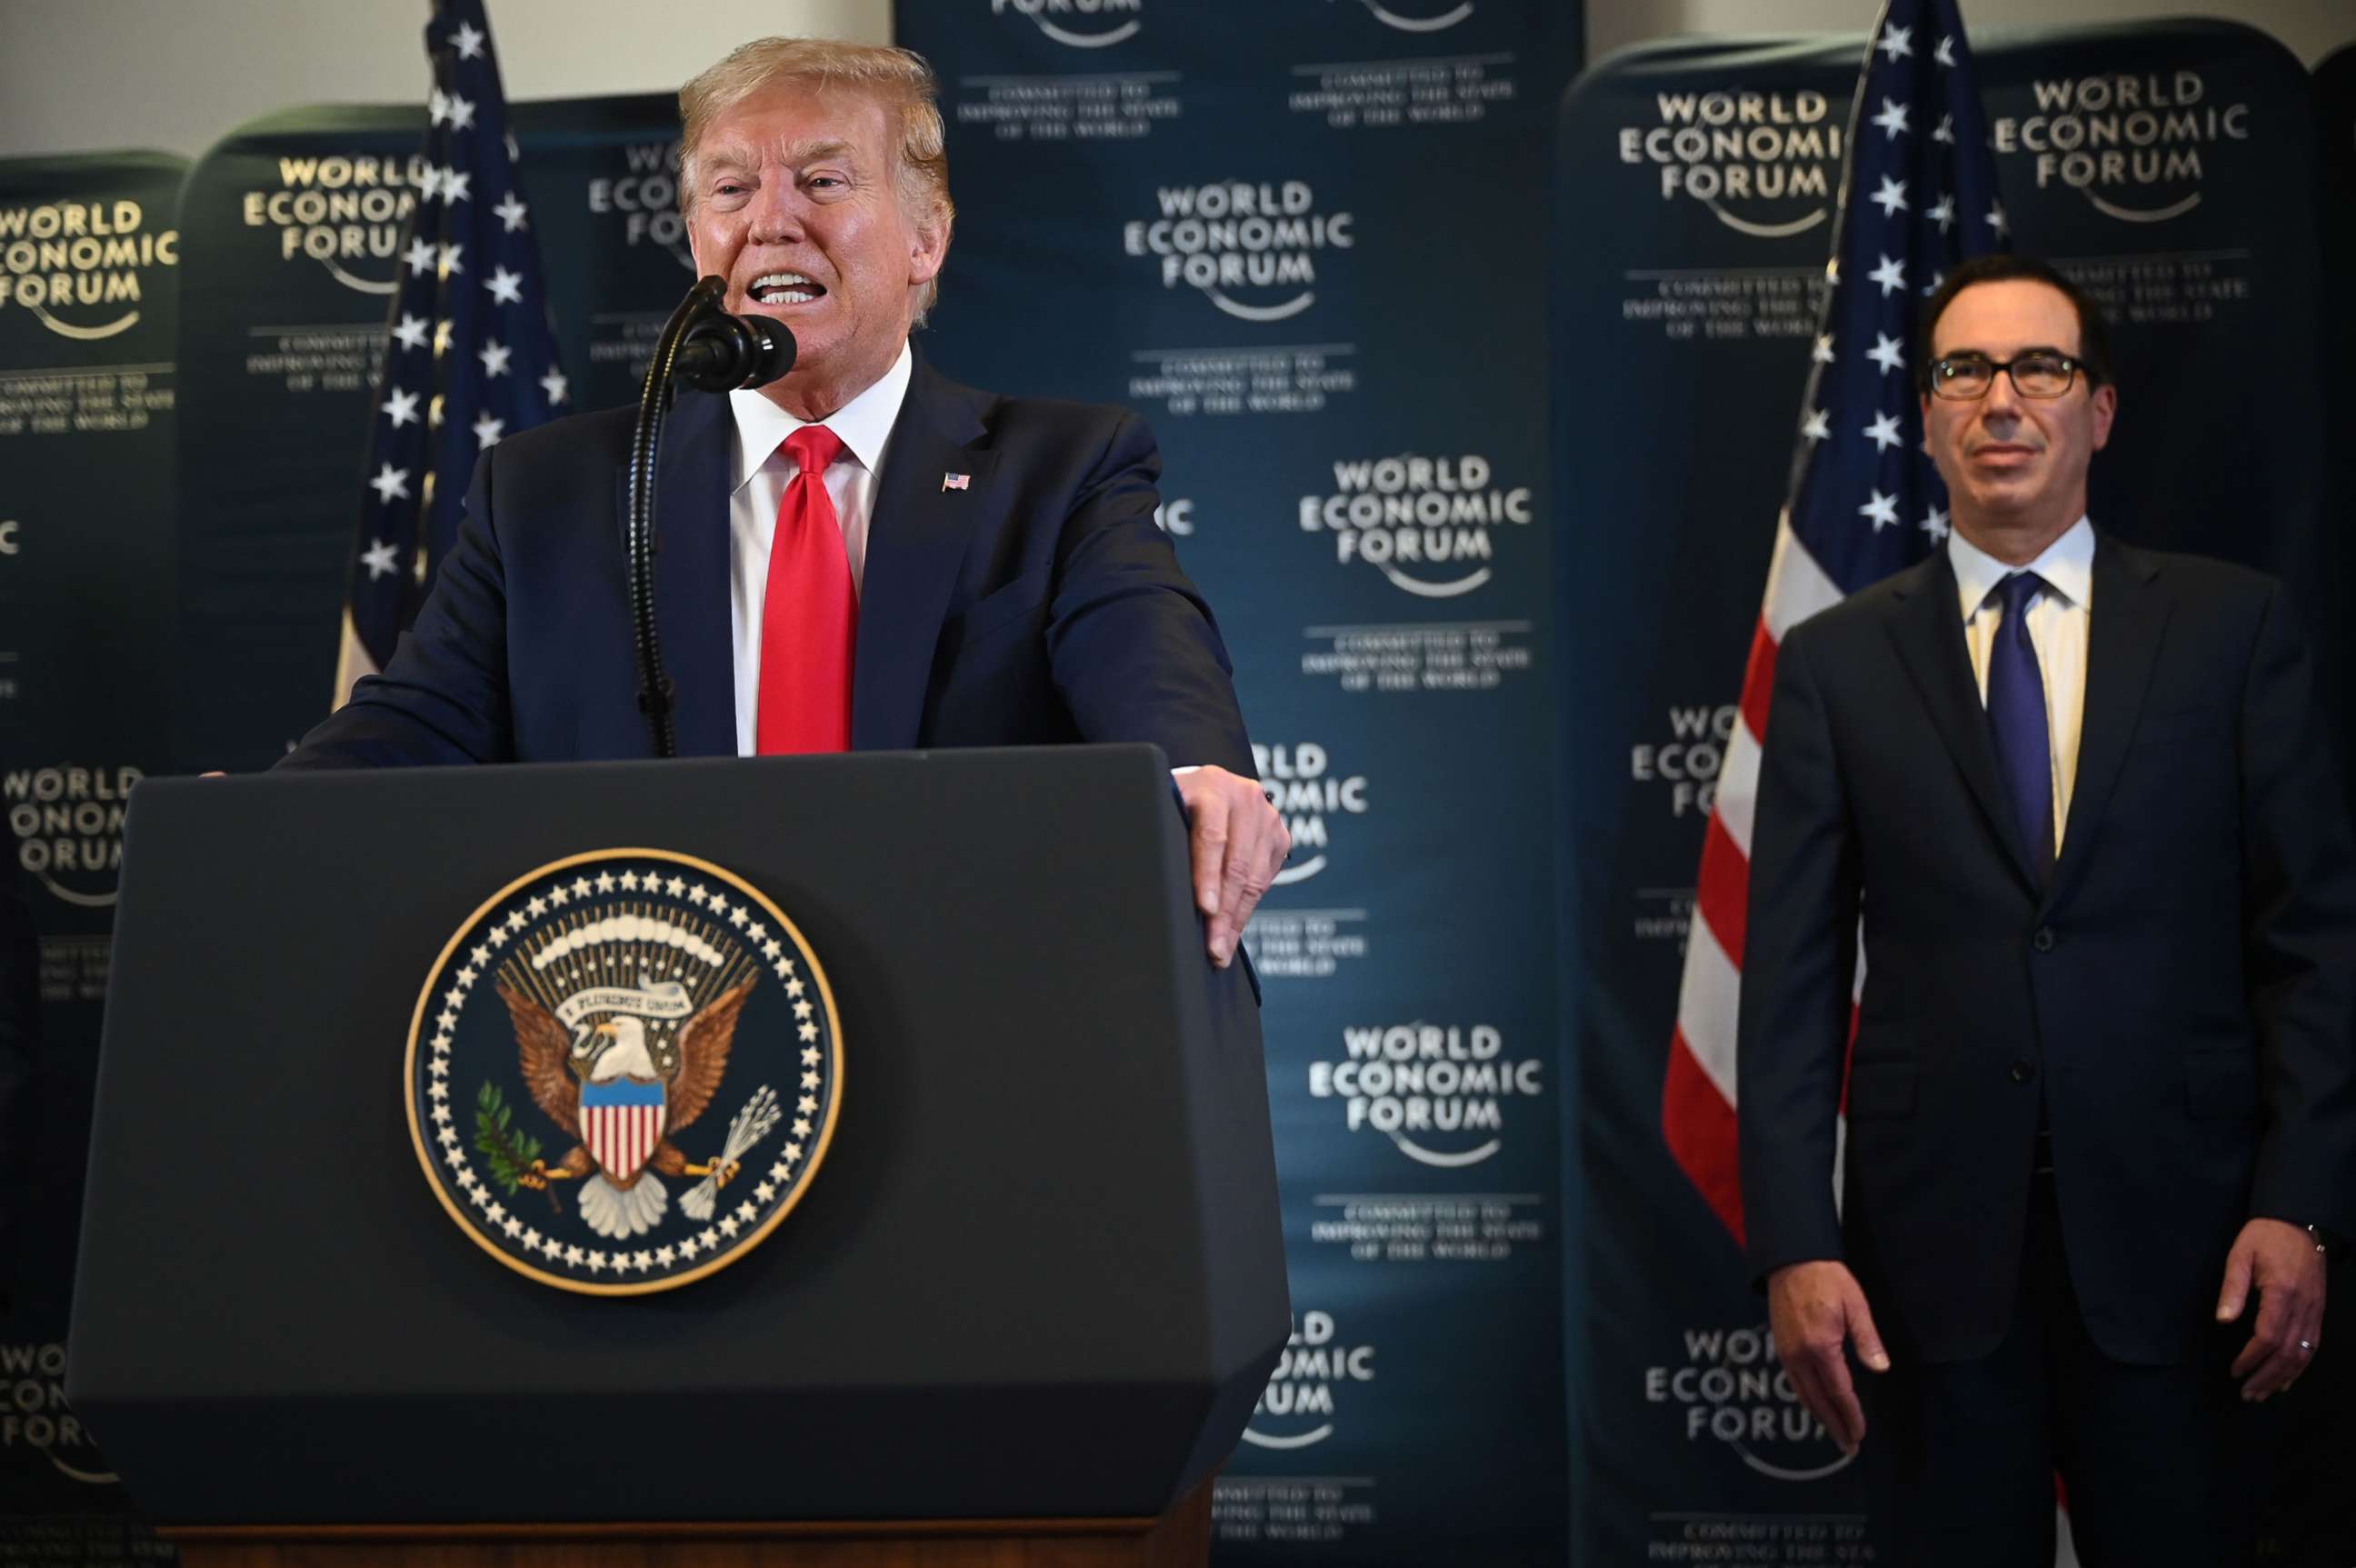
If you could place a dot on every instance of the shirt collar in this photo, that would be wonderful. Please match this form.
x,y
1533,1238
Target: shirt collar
x,y
864,422
2067,566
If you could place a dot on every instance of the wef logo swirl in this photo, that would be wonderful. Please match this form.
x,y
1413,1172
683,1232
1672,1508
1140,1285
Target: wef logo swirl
x,y
1393,16
1074,32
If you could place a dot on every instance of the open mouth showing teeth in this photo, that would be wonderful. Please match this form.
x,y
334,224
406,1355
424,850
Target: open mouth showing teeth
x,y
784,288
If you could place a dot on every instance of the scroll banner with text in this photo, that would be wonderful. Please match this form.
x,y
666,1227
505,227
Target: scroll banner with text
x,y
89,293
294,230
2168,167
1300,239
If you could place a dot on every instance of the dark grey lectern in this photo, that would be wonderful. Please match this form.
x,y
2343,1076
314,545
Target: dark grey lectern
x,y
1039,1279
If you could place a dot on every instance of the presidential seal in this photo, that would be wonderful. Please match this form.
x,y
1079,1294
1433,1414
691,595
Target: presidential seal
x,y
622,1071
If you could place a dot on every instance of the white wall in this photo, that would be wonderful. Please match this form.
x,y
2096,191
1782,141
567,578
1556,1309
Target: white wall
x,y
86,74
176,74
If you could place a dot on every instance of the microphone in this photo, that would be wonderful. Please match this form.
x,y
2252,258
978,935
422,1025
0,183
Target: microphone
x,y
716,352
722,352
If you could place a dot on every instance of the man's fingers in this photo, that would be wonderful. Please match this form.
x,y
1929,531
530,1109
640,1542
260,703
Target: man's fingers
x,y
2288,1319
1810,1390
1849,1428
1210,849
2277,1372
2263,1359
1246,877
1867,1336
1237,842
1808,1379
2235,1291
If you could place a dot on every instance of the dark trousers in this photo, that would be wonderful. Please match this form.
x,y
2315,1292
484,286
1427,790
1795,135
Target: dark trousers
x,y
2161,1465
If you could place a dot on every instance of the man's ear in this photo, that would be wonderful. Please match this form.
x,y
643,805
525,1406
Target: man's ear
x,y
2105,402
930,250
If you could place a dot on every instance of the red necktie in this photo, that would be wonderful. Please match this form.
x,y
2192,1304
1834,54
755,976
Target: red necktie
x,y
810,612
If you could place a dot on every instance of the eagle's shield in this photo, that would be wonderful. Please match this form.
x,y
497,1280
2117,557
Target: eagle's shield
x,y
621,1122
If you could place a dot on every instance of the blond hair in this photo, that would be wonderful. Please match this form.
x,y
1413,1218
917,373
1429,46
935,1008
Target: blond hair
x,y
899,79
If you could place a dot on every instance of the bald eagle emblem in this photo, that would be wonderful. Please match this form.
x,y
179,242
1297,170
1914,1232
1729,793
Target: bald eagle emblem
x,y
623,1095
622,1071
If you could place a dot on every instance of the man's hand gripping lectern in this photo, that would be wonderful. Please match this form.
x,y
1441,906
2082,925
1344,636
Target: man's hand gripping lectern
x,y
749,1161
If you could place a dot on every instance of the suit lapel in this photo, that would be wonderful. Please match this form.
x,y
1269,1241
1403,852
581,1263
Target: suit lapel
x,y
1929,633
2124,625
916,537
691,571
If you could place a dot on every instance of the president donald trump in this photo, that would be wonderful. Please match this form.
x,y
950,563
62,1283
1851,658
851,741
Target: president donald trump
x,y
860,554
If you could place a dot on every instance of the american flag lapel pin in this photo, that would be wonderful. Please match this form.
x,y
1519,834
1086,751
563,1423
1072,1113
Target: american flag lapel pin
x,y
955,481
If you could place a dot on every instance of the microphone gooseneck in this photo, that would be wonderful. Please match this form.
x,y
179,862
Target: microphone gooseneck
x,y
715,351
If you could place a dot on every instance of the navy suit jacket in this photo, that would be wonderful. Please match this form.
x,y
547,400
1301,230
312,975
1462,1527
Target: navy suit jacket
x,y
2181,994
1040,603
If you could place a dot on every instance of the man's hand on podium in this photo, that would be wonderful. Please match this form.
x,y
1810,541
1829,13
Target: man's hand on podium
x,y
1238,843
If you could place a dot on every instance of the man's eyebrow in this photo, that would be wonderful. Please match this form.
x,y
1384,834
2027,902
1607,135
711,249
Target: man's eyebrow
x,y
739,159
815,151
1960,350
734,160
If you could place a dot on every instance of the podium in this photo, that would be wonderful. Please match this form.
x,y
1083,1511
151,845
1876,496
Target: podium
x,y
1020,1313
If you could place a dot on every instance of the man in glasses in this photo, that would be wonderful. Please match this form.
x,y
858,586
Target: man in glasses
x,y
2069,806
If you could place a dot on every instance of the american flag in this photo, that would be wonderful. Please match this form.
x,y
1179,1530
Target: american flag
x,y
469,355
1919,195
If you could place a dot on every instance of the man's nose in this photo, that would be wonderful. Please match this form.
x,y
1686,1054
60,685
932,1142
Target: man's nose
x,y
777,214
2003,400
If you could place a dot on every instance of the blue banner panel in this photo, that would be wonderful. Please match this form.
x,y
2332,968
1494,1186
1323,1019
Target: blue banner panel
x,y
2169,168
1694,210
1302,240
89,293
295,227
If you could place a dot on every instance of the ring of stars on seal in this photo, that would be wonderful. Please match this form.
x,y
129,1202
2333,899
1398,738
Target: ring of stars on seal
x,y
622,1071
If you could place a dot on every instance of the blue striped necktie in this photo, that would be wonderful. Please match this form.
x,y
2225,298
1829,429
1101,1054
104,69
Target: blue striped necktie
x,y
2016,707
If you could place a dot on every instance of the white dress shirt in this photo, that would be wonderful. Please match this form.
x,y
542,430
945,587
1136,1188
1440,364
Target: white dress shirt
x,y
760,470
2058,617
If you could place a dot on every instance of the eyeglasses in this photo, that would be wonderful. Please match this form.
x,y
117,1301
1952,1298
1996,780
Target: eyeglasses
x,y
2043,374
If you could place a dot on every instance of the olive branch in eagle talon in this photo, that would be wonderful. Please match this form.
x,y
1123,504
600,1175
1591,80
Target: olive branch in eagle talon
x,y
555,1068
511,1154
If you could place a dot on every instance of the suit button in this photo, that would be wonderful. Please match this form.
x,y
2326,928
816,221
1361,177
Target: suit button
x,y
2043,940
2022,1072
